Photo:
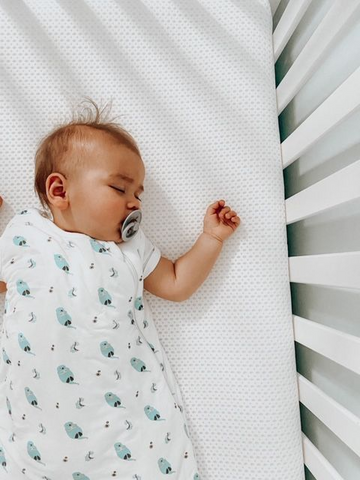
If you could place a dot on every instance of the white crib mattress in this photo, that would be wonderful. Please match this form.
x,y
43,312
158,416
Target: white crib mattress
x,y
193,82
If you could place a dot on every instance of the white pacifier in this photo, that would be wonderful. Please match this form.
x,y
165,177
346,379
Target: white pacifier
x,y
131,225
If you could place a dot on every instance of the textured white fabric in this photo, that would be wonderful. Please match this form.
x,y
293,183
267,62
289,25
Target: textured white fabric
x,y
81,358
194,83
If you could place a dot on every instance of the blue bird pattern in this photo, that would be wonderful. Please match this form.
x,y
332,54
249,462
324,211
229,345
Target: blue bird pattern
x,y
95,378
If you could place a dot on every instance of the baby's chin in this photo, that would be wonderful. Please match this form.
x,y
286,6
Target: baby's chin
x,y
119,239
116,237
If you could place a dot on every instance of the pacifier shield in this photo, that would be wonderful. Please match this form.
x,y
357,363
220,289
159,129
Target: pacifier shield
x,y
131,225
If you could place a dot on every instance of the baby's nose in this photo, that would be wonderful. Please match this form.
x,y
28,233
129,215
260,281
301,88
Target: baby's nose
x,y
134,206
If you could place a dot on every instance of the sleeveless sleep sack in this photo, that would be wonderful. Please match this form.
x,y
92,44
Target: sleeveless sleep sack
x,y
86,389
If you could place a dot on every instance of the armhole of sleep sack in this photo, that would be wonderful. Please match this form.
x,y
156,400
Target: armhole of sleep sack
x,y
151,262
1,260
151,255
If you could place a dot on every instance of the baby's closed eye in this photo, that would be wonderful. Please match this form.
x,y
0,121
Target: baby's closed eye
x,y
123,191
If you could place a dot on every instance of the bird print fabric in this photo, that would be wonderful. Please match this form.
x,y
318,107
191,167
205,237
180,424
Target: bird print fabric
x,y
86,389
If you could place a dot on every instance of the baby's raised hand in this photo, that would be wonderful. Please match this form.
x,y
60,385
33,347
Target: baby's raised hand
x,y
220,221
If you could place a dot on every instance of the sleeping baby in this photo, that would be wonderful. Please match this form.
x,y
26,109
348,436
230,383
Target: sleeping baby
x,y
86,389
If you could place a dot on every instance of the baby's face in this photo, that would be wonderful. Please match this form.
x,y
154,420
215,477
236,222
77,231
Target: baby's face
x,y
99,198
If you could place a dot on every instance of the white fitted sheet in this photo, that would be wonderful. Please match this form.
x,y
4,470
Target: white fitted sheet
x,y
194,83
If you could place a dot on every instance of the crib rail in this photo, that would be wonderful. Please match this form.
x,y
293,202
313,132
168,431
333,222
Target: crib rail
x,y
338,270
342,103
325,194
288,22
339,347
316,48
342,422
317,463
332,269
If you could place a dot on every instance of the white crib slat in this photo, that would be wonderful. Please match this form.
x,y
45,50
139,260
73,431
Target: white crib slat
x,y
315,49
340,347
338,106
274,5
333,269
338,419
338,188
317,463
287,24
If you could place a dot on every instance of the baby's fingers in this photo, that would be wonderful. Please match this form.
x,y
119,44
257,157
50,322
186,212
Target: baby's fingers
x,y
214,207
235,219
230,214
224,212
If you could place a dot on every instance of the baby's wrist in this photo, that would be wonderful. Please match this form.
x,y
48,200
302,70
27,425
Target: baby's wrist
x,y
215,237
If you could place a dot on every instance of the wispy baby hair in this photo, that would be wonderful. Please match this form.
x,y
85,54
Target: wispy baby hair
x,y
54,149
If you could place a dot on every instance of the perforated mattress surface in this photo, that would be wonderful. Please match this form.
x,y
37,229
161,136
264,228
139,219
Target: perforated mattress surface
x,y
193,82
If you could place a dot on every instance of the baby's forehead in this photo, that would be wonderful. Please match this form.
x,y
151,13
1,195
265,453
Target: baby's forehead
x,y
90,138
103,142
98,149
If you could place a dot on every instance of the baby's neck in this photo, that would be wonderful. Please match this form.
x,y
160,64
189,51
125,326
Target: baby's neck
x,y
63,220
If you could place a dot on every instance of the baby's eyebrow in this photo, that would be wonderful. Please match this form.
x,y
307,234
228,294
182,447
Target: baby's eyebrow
x,y
124,177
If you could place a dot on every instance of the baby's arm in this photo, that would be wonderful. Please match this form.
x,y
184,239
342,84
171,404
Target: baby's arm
x,y
2,284
177,282
192,269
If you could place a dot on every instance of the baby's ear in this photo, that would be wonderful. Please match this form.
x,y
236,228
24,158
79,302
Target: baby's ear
x,y
56,186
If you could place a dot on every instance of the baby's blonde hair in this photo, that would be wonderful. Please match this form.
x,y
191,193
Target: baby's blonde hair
x,y
52,152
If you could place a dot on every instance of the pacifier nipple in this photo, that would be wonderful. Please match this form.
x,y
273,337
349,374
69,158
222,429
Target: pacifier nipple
x,y
131,225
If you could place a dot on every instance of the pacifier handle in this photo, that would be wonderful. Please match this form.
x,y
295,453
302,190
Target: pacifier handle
x,y
131,225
